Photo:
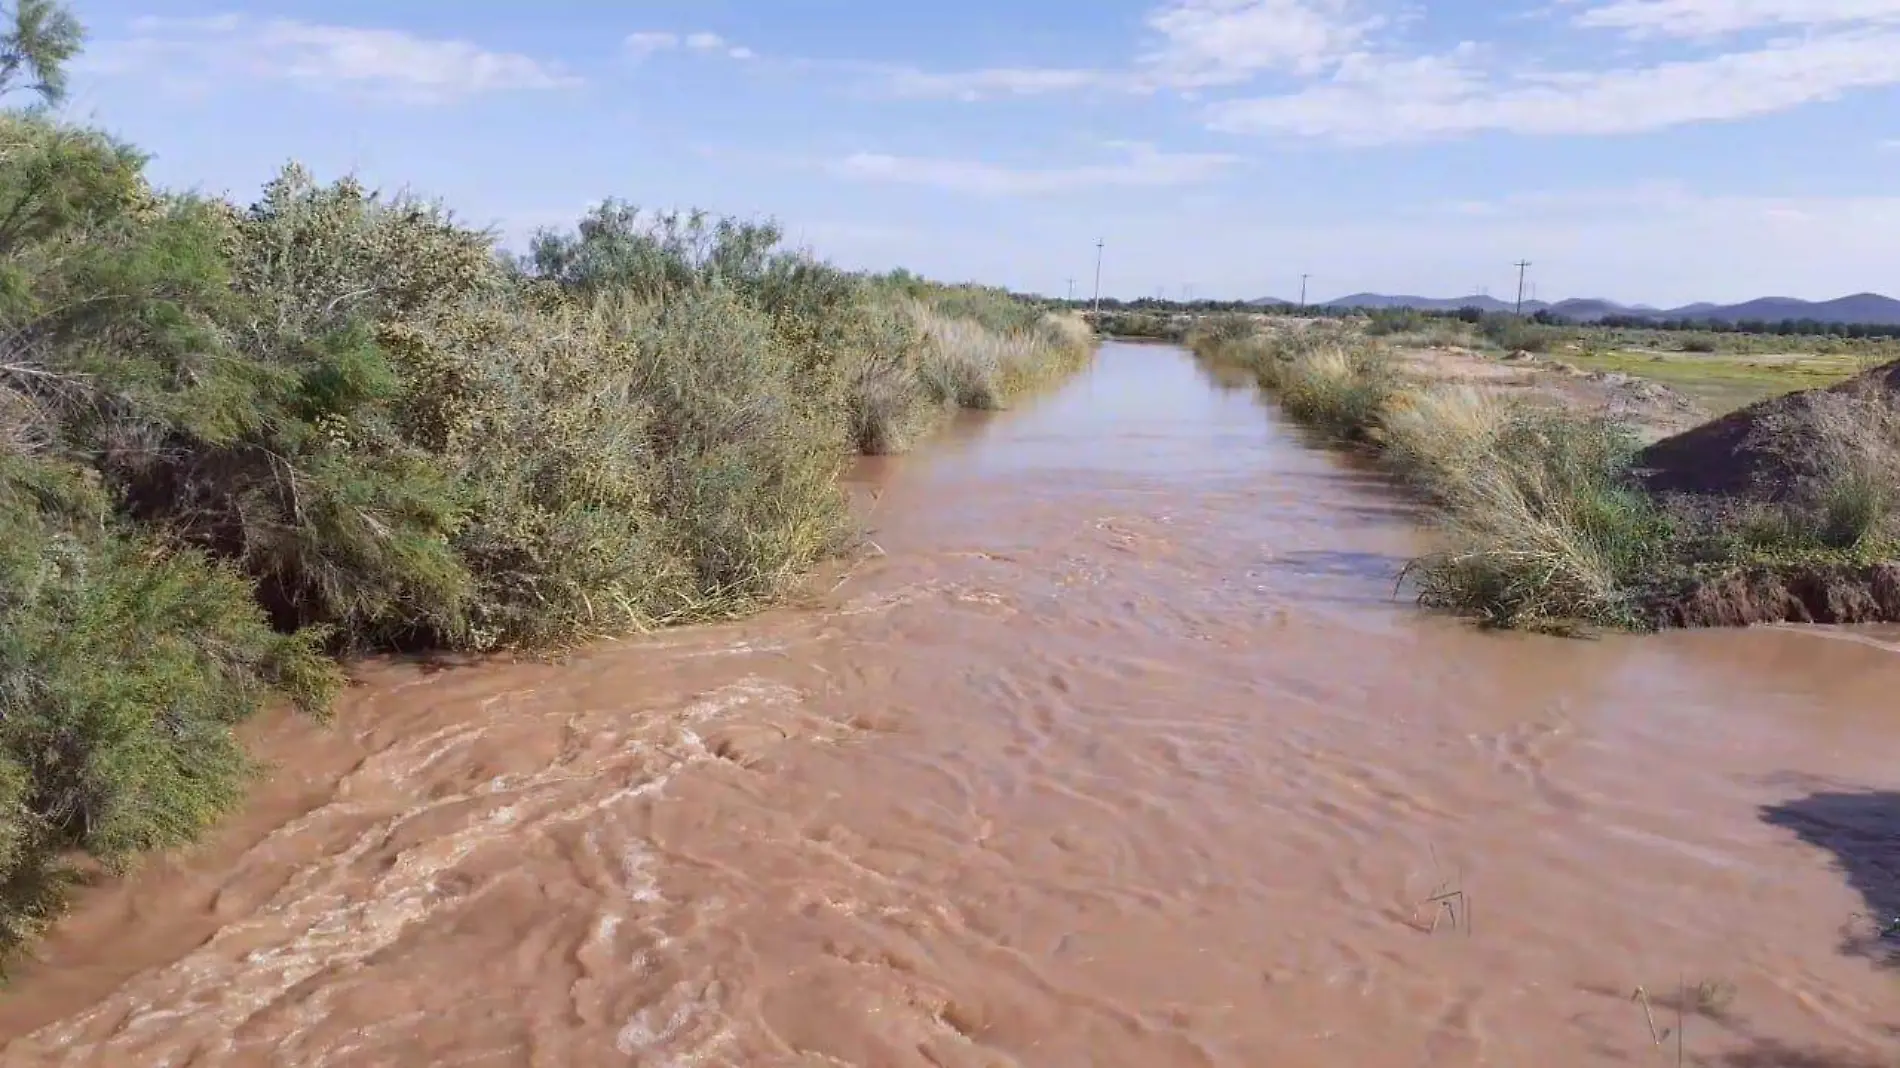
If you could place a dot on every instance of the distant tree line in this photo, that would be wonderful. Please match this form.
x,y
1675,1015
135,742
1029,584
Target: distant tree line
x,y
1803,327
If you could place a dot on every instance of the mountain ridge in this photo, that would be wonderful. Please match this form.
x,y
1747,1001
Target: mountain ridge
x,y
1874,309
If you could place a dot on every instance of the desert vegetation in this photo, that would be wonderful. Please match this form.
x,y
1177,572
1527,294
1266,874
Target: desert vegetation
x,y
239,440
1555,519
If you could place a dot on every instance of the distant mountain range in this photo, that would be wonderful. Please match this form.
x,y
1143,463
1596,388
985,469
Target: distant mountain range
x,y
1869,308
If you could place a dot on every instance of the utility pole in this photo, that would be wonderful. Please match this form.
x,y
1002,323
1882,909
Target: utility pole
x,y
1097,303
1303,279
1520,265
1071,291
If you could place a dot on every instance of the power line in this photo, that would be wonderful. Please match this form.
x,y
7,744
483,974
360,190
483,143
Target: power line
x,y
1071,290
1097,302
1520,265
1303,279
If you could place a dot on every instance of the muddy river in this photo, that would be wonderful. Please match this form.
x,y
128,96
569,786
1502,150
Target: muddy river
x,y
1122,753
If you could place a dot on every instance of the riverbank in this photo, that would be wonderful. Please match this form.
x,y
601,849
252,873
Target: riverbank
x,y
1122,731
238,440
1557,515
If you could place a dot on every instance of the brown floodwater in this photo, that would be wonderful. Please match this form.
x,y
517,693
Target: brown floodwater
x,y
1123,753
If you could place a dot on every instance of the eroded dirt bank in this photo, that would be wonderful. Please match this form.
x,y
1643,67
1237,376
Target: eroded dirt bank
x,y
1122,755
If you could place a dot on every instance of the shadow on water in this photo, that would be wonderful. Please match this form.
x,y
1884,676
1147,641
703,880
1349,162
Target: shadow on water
x,y
1769,1053
1327,563
1861,829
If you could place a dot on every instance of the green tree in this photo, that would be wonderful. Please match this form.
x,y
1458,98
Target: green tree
x,y
43,37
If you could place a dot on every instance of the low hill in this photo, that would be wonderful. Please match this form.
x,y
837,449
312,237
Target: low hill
x,y
1862,308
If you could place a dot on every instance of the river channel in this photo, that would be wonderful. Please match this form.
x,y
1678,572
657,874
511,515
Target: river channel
x,y
1121,751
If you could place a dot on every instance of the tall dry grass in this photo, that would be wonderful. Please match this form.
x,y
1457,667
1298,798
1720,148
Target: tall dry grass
x,y
1322,374
967,364
1543,525
1540,525
1543,528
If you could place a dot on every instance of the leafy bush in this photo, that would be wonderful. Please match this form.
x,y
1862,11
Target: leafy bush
x,y
1513,334
1385,321
127,663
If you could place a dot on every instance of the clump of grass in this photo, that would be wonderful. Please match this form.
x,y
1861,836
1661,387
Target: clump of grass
x,y
1438,435
967,364
1544,529
1336,382
1326,375
1837,454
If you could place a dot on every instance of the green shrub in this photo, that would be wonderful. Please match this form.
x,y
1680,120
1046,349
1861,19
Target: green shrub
x,y
1513,334
1385,321
126,665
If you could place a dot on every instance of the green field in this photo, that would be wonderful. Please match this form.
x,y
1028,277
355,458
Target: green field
x,y
1723,382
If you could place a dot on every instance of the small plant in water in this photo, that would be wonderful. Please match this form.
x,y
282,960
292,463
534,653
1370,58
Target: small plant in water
x,y
1708,998
1448,902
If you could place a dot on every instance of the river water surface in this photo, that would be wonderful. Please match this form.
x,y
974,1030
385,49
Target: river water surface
x,y
1122,753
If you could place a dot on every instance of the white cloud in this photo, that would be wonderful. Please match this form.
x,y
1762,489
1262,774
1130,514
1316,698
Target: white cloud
x,y
994,81
1709,18
1140,166
1357,84
1195,44
646,43
1223,42
1372,100
388,64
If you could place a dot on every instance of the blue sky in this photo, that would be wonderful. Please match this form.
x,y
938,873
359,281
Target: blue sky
x,y
1642,150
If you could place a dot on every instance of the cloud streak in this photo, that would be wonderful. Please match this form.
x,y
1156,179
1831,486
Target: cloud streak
x,y
379,63
1382,101
1712,18
1355,83
648,43
1139,166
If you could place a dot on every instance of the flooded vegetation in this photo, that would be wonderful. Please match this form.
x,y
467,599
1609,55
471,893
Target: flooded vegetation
x,y
1553,516
238,440
1122,753
665,647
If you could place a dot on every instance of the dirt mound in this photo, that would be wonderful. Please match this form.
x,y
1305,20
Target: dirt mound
x,y
1728,457
1837,595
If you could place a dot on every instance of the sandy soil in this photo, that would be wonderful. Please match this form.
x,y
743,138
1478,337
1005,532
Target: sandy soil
x,y
1653,409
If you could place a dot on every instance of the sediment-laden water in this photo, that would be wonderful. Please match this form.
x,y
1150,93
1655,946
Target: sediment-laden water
x,y
1122,753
